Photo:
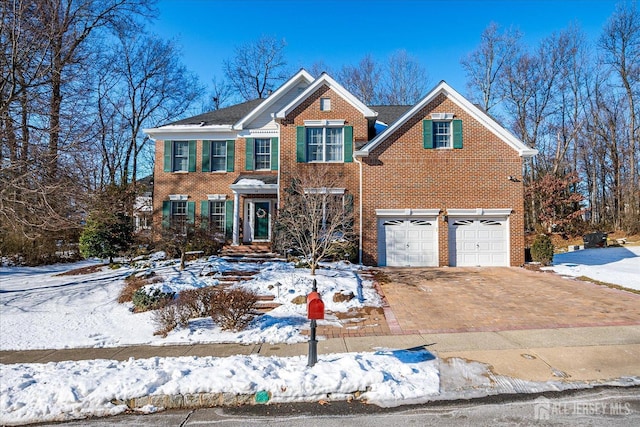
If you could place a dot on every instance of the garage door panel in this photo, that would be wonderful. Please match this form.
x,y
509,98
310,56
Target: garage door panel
x,y
478,242
409,242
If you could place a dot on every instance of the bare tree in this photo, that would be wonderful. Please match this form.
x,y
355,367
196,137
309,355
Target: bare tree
x,y
257,67
486,65
313,218
363,80
620,44
221,93
406,80
145,85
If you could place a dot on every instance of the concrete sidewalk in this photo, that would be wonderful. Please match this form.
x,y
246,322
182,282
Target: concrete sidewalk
x,y
571,354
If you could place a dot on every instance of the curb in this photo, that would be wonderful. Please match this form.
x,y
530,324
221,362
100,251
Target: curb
x,y
209,400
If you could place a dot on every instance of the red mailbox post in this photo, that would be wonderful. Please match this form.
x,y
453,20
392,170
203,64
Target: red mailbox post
x,y
315,311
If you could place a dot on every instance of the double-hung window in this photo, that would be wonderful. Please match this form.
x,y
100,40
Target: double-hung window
x,y
218,156
442,131
325,144
180,156
442,134
217,219
179,216
262,153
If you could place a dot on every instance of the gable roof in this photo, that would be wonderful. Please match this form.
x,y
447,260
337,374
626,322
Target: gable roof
x,y
325,79
462,102
223,116
296,79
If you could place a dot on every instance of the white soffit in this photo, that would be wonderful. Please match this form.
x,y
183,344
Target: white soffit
x,y
271,99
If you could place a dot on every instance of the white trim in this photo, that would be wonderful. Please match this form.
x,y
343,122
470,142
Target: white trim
x,y
441,116
484,119
216,197
178,197
249,224
324,123
479,212
191,132
325,79
264,106
407,212
324,190
255,189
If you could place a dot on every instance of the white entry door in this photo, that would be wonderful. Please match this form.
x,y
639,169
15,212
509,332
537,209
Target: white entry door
x,y
478,242
408,243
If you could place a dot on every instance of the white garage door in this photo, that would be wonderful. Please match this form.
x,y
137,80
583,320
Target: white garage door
x,y
408,243
478,242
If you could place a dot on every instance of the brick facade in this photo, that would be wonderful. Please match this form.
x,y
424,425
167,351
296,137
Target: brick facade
x,y
398,173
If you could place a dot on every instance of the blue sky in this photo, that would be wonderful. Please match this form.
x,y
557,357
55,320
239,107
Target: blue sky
x,y
437,32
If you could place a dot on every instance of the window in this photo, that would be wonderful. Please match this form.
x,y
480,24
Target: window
x,y
218,156
262,153
325,104
325,144
441,134
217,218
179,216
180,156
442,131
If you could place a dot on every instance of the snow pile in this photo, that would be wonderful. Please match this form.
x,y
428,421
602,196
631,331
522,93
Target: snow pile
x,y
616,265
73,390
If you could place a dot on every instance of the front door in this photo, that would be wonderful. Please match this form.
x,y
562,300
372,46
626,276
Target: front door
x,y
261,220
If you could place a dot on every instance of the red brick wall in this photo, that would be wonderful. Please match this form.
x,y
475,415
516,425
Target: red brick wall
x,y
197,185
310,110
401,174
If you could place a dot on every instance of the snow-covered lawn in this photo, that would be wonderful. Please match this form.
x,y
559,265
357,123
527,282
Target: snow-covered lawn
x,y
615,265
42,309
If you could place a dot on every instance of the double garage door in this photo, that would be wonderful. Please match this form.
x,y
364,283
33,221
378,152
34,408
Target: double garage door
x,y
413,242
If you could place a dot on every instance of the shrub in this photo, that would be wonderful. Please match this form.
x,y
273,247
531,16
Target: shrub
x,y
166,319
197,302
143,301
133,283
234,309
542,250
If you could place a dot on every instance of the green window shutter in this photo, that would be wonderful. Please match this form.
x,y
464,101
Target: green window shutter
x,y
427,133
457,133
274,154
348,144
204,214
166,214
168,145
231,150
228,218
206,156
191,212
249,156
301,145
192,156
348,202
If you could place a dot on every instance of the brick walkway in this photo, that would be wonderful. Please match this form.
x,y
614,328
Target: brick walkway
x,y
437,300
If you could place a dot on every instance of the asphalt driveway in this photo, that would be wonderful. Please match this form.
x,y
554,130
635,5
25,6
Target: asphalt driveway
x,y
461,299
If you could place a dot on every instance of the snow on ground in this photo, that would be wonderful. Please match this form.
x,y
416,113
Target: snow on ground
x,y
70,390
42,309
616,265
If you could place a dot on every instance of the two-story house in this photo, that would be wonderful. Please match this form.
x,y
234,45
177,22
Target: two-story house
x,y
433,184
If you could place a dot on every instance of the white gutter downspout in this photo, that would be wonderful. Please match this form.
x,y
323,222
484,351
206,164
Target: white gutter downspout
x,y
355,159
273,116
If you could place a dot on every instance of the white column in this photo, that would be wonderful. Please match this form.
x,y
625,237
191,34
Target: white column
x,y
236,218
